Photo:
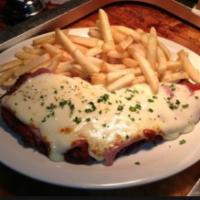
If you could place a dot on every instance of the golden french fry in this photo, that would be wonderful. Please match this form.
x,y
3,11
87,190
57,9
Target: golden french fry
x,y
24,56
139,79
93,51
63,67
152,50
137,47
87,65
124,44
129,62
105,28
115,54
32,50
165,50
148,72
85,41
50,39
174,65
35,62
192,72
106,67
94,33
128,31
162,61
8,83
112,76
98,79
121,82
96,61
117,35
9,65
174,77
51,49
7,75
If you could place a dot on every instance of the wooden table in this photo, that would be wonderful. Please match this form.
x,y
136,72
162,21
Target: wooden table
x,y
135,16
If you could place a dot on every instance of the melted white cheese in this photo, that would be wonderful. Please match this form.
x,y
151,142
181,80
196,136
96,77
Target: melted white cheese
x,y
68,109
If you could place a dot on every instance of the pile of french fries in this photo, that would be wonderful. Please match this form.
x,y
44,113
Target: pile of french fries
x,y
114,56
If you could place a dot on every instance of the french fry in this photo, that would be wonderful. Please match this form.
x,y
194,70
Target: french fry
x,y
148,72
124,44
93,51
32,50
50,39
174,65
94,33
139,79
35,62
64,67
121,82
192,72
51,49
136,48
152,50
165,50
129,62
117,35
115,54
98,79
162,61
96,61
112,76
174,77
105,28
128,31
9,65
7,75
89,67
24,56
106,67
88,42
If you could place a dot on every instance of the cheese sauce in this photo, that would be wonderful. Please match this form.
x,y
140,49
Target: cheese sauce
x,y
68,109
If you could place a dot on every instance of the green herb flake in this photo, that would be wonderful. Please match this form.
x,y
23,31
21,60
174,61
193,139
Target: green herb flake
x,y
137,163
181,142
91,109
104,98
150,110
150,100
185,106
87,119
77,120
120,108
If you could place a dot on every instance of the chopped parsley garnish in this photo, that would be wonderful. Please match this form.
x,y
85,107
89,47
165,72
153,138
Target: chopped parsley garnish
x,y
181,142
63,103
127,137
135,108
185,106
120,108
91,108
173,87
77,120
177,102
154,97
104,98
133,91
130,97
150,100
104,125
137,163
87,119
150,110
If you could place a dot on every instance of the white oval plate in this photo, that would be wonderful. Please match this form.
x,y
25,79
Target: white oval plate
x,y
156,162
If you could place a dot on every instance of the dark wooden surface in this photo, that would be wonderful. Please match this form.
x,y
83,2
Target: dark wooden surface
x,y
135,16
